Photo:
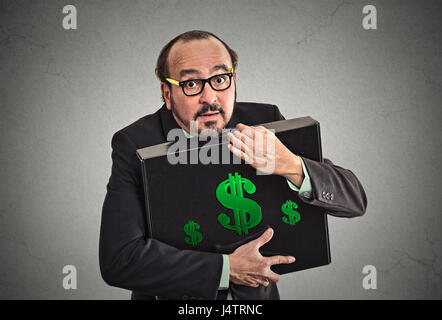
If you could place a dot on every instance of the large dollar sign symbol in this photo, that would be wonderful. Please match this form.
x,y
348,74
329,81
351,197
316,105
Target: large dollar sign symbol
x,y
230,194
293,216
195,237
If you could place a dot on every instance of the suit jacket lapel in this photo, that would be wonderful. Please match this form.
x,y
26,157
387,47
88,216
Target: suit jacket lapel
x,y
167,121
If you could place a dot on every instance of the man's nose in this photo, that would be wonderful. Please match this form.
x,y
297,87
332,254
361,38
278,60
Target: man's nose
x,y
208,95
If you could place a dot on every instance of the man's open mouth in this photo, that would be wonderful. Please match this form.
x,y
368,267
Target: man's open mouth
x,y
208,114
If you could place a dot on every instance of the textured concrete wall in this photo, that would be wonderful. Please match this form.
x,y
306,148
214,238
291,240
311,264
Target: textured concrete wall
x,y
377,94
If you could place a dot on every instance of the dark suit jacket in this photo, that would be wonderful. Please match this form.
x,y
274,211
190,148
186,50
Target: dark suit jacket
x,y
150,268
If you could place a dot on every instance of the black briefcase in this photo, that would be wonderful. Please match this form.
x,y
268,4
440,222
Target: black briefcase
x,y
200,205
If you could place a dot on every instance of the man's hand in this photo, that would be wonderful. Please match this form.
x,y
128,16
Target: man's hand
x,y
248,267
260,148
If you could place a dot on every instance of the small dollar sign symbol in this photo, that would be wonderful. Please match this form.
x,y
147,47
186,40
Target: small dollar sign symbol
x,y
288,208
242,207
195,237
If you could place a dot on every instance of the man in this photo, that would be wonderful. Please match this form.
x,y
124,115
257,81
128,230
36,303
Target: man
x,y
197,71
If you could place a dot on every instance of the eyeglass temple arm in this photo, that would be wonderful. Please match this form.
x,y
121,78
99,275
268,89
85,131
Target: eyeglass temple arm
x,y
173,81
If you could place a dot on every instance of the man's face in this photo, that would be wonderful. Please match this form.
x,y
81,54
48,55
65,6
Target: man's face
x,y
199,59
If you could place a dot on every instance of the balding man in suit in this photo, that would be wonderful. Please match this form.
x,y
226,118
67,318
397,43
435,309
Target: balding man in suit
x,y
197,71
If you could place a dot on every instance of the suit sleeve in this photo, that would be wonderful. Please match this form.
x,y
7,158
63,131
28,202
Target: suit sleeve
x,y
334,188
131,260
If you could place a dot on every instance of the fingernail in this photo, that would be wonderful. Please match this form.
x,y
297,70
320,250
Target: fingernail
x,y
292,259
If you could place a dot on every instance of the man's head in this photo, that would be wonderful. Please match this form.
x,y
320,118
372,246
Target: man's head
x,y
198,55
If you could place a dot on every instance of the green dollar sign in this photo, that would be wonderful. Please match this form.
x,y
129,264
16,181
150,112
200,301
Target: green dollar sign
x,y
293,216
195,237
246,212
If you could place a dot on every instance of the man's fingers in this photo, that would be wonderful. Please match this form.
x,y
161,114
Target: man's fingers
x,y
243,137
272,276
250,131
251,282
242,127
280,260
261,280
252,151
264,238
256,280
239,153
265,273
237,141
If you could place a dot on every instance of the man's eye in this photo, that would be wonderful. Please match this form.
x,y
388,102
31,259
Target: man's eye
x,y
190,84
219,80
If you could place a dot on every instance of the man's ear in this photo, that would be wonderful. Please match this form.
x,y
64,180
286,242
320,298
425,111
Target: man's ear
x,y
165,91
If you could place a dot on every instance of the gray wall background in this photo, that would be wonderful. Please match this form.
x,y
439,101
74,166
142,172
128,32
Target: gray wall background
x,y
377,94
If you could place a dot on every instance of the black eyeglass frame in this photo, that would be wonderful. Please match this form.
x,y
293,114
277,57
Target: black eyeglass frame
x,y
182,83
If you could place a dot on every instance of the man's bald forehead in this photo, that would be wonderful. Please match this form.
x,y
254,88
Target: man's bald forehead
x,y
179,50
162,70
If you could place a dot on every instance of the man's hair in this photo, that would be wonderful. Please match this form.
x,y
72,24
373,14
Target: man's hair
x,y
162,69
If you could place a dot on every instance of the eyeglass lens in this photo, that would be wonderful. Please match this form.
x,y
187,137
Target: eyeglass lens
x,y
218,83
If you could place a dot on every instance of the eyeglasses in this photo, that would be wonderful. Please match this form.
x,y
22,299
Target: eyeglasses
x,y
193,87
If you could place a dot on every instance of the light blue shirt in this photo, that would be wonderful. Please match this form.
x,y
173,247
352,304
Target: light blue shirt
x,y
304,191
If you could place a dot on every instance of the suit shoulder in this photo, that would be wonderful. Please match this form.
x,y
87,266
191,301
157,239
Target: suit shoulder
x,y
145,131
